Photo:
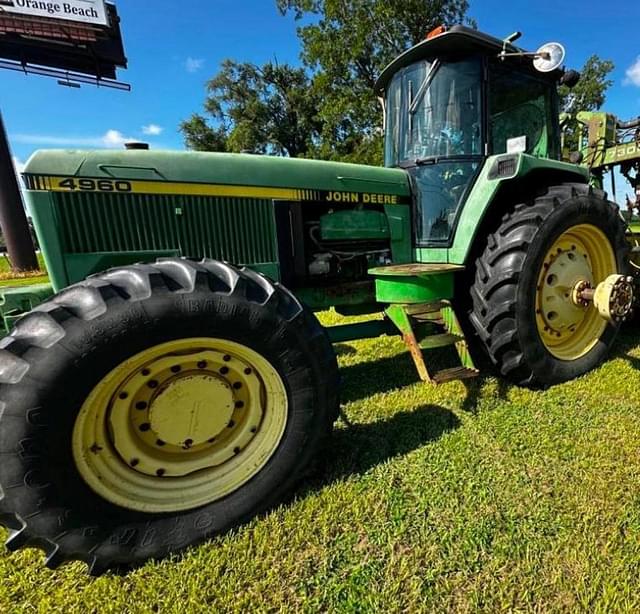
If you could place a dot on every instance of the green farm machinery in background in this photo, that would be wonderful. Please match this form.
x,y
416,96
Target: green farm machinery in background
x,y
174,381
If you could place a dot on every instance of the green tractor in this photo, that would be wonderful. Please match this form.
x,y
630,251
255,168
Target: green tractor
x,y
173,381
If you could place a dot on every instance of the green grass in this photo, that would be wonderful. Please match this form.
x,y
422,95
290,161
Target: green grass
x,y
457,498
8,281
24,281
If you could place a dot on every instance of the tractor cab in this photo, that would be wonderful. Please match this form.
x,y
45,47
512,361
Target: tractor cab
x,y
452,101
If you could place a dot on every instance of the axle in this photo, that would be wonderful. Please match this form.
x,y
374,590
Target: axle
x,y
613,298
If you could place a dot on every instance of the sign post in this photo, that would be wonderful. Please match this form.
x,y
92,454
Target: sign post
x,y
13,219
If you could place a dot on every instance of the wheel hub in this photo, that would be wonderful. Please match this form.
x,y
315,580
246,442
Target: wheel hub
x,y
179,414
205,405
579,259
565,270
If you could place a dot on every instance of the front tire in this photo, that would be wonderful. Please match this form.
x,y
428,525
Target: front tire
x,y
152,407
523,312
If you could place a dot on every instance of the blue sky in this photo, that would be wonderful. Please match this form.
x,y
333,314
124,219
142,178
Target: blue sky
x,y
174,47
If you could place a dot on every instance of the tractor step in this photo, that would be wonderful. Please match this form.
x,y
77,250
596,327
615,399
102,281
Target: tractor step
x,y
428,326
455,373
433,317
439,341
426,309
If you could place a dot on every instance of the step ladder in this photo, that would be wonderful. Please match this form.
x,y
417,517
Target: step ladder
x,y
427,326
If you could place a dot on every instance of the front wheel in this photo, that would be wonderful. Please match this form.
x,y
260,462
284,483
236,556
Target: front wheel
x,y
525,311
152,407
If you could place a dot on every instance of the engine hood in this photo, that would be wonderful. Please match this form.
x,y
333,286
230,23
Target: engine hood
x,y
275,174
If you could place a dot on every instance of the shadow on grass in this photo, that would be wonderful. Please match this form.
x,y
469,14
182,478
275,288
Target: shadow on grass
x,y
386,374
474,390
627,340
342,349
374,377
360,447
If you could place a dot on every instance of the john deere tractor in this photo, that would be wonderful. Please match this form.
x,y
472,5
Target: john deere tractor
x,y
173,381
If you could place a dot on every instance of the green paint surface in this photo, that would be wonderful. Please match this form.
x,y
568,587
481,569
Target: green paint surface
x,y
220,168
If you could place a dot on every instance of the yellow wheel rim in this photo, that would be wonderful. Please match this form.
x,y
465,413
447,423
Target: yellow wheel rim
x,y
180,425
569,330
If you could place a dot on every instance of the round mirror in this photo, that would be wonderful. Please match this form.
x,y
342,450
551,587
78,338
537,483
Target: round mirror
x,y
549,57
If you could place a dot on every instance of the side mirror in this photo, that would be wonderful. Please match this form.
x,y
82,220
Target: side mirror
x,y
570,78
549,57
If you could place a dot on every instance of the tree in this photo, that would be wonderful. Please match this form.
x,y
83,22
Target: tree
x,y
261,109
588,95
328,108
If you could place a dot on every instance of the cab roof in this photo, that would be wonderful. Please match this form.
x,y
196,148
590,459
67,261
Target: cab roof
x,y
457,41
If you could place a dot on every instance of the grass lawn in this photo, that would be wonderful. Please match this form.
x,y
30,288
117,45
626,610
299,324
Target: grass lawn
x,y
8,279
460,498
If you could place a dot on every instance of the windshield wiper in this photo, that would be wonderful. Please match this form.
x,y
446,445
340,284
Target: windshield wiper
x,y
431,160
418,162
413,107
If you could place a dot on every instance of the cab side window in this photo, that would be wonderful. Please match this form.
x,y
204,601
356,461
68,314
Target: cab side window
x,y
521,106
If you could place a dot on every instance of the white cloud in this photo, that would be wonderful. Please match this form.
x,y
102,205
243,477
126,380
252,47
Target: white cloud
x,y
633,74
194,64
152,130
111,139
114,138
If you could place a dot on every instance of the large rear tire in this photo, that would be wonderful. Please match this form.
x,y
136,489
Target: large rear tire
x,y
523,311
152,407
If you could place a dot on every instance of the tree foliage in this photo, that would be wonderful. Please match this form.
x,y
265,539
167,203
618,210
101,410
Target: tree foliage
x,y
268,109
588,95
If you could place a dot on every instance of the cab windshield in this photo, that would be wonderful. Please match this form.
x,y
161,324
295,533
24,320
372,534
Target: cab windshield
x,y
434,110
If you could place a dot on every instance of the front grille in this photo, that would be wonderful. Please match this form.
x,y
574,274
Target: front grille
x,y
241,231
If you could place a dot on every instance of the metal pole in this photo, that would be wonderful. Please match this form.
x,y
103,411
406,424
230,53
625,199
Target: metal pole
x,y
13,218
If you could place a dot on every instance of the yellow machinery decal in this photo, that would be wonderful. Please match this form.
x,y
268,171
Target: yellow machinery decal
x,y
125,186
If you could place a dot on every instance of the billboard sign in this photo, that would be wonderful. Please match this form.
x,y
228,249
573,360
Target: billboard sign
x,y
63,48
84,11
